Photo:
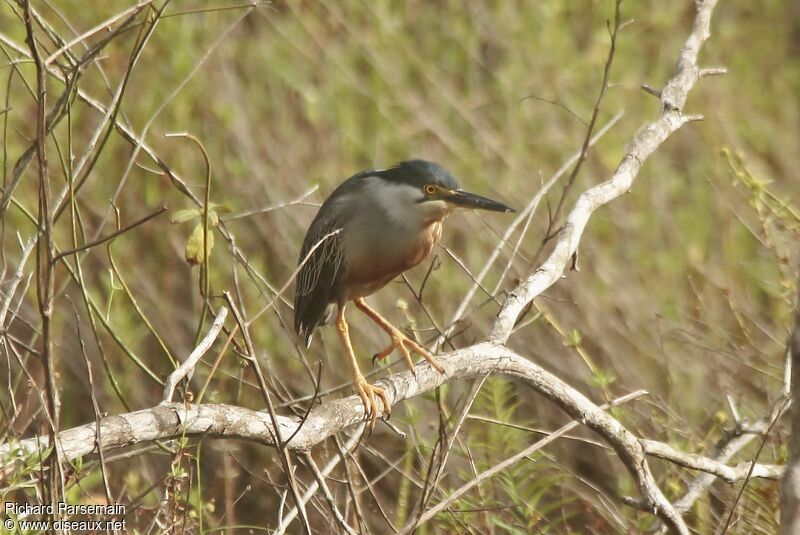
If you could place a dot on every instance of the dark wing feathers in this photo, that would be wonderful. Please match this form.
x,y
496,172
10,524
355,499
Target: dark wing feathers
x,y
319,276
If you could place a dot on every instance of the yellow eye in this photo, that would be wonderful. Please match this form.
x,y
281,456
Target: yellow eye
x,y
430,189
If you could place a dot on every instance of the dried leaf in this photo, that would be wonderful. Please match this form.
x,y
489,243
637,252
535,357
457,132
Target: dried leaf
x,y
194,246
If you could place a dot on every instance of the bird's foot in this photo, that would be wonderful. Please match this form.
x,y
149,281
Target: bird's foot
x,y
405,345
369,397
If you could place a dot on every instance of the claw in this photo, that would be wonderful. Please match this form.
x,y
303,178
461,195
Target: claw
x,y
385,353
369,395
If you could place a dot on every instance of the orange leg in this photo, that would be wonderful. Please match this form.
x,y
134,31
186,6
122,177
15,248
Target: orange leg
x,y
369,393
399,340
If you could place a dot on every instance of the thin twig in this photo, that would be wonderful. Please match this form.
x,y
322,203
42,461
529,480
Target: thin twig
x,y
590,128
312,489
105,25
111,236
297,200
294,274
474,390
732,508
204,259
327,493
45,274
189,364
14,282
525,215
95,405
275,428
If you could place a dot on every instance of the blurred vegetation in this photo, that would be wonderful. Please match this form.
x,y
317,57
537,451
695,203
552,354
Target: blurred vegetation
x,y
686,286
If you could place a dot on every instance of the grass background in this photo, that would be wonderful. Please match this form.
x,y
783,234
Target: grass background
x,y
686,287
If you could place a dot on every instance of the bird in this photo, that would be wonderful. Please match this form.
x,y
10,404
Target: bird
x,y
374,226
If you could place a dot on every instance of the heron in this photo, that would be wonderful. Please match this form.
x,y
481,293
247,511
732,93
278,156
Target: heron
x,y
376,225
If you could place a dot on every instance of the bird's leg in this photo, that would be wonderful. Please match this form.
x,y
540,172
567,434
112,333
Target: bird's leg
x,y
399,340
368,393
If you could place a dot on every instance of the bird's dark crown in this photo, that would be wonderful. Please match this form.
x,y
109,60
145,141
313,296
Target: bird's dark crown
x,y
418,173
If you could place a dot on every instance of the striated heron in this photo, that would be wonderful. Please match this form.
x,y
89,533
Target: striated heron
x,y
373,227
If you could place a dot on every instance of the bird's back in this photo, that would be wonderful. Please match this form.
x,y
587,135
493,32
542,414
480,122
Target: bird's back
x,y
321,273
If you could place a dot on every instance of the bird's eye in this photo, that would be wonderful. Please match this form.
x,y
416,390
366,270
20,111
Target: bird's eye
x,y
430,189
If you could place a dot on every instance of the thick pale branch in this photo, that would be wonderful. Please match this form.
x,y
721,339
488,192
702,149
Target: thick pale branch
x,y
176,419
170,420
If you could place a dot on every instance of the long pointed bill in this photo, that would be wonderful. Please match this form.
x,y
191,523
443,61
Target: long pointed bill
x,y
470,200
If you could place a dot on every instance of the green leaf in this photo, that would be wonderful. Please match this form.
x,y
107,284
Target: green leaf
x,y
602,379
194,246
182,216
574,338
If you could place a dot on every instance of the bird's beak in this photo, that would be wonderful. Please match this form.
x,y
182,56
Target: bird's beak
x,y
465,199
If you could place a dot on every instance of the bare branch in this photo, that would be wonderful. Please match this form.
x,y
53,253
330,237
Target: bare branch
x,y
249,213
713,71
111,236
191,361
731,474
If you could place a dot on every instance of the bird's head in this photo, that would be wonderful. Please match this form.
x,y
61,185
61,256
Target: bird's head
x,y
427,189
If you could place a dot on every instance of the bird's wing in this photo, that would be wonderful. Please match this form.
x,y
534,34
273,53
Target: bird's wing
x,y
322,262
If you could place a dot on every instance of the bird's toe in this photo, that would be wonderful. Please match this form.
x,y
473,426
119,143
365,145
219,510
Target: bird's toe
x,y
416,348
369,395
